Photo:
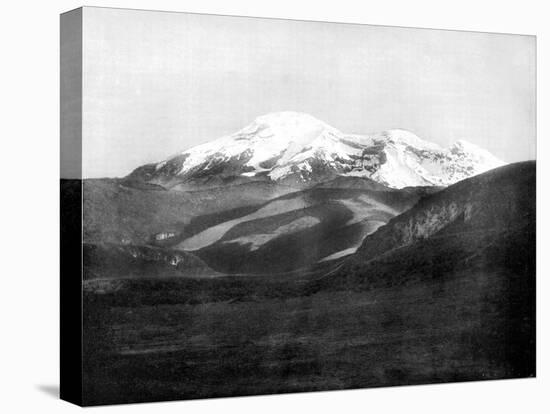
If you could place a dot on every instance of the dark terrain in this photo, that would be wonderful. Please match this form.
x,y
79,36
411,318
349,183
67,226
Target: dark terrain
x,y
293,228
445,291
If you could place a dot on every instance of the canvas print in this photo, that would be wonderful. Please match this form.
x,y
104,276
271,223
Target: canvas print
x,y
257,206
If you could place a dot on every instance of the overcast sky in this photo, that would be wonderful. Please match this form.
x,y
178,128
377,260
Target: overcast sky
x,y
157,83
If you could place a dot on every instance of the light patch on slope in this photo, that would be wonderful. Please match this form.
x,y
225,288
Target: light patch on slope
x,y
370,227
362,207
341,253
215,233
257,240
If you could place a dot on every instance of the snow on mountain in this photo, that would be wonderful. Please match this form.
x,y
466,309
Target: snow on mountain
x,y
296,147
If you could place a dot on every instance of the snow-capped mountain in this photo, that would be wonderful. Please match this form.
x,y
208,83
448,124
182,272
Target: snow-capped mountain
x,y
294,147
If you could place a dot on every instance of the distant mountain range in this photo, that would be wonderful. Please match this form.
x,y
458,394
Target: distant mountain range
x,y
299,150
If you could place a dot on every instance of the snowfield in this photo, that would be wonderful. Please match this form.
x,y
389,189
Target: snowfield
x,y
297,146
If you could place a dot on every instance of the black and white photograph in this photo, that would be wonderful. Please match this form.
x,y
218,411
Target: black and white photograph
x,y
241,207
274,206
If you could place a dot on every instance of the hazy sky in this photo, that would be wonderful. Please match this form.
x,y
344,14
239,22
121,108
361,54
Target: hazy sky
x,y
158,83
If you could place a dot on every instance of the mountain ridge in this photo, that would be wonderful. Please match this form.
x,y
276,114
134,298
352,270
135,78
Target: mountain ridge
x,y
463,220
297,149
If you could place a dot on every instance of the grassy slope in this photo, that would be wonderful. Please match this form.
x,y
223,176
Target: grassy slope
x,y
114,261
495,201
119,212
294,250
115,212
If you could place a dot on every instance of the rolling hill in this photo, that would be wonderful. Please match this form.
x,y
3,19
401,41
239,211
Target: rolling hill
x,y
476,213
298,229
122,212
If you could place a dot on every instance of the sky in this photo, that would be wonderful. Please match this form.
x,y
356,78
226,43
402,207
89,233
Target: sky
x,y
157,83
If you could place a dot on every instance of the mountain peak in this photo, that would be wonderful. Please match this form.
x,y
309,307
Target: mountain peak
x,y
298,148
286,127
289,119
